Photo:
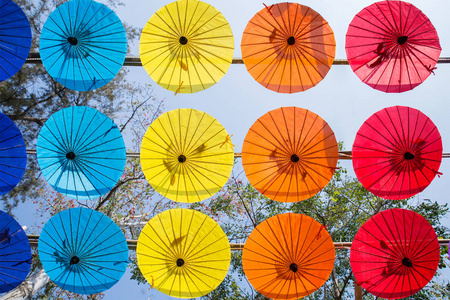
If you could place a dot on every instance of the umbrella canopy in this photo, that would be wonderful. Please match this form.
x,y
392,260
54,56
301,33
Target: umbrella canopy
x,y
15,253
392,46
288,47
288,256
83,45
186,46
15,38
289,154
81,152
183,253
395,254
186,155
397,152
83,251
13,155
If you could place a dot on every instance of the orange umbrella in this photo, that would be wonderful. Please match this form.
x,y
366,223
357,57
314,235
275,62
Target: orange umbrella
x,y
289,154
288,256
288,47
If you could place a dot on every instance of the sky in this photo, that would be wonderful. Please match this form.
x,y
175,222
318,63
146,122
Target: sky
x,y
341,99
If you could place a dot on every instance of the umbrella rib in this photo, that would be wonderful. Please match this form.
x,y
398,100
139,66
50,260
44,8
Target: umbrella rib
x,y
177,241
174,30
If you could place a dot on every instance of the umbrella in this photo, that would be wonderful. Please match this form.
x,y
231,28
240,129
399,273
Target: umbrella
x,y
392,46
397,152
15,252
288,47
81,152
288,256
186,155
83,45
186,46
15,38
183,253
395,254
289,154
13,156
83,251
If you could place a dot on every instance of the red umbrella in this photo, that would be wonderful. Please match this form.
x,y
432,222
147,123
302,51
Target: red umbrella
x,y
397,152
392,46
395,254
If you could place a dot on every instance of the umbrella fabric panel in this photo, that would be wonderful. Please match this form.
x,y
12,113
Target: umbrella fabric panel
x,y
395,254
186,155
15,38
397,152
186,46
392,46
288,47
83,45
81,152
289,154
83,251
183,253
15,253
288,256
13,156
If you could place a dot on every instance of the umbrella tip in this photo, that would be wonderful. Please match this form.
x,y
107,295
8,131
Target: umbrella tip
x,y
181,158
295,158
74,260
72,40
183,40
402,39
180,262
407,262
70,155
293,267
408,156
291,40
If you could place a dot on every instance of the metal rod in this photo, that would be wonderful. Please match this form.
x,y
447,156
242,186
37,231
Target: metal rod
x,y
135,60
132,244
344,155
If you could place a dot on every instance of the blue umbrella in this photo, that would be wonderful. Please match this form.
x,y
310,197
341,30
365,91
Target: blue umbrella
x,y
81,152
15,38
83,251
15,253
13,155
83,45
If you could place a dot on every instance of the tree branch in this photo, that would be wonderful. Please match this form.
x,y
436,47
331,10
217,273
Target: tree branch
x,y
28,288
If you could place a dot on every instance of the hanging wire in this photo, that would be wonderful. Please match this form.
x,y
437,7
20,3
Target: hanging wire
x,y
132,244
344,155
134,60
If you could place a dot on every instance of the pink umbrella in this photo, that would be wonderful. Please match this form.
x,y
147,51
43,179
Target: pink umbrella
x,y
392,46
395,254
397,152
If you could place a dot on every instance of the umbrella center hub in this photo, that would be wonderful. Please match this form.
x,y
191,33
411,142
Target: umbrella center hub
x,y
402,39
72,40
70,155
74,260
291,40
183,40
293,267
407,262
295,158
408,156
180,262
181,158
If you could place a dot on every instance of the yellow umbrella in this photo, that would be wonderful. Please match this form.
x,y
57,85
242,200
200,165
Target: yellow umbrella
x,y
186,155
183,253
186,46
